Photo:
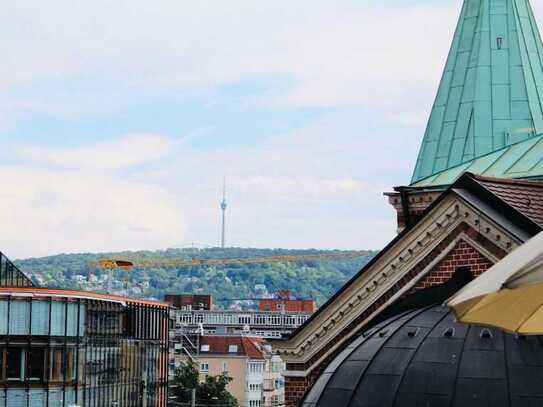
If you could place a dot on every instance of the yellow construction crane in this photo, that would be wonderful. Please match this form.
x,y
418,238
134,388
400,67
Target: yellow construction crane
x,y
163,262
109,264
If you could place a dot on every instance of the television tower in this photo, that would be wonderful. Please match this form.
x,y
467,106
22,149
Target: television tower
x,y
224,205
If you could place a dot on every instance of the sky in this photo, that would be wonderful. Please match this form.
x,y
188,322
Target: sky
x,y
119,120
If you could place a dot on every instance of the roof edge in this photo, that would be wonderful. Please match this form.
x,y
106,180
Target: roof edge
x,y
55,292
466,180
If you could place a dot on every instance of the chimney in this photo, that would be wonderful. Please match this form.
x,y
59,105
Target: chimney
x,y
410,204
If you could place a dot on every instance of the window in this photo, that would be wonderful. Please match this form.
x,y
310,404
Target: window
x,y
14,366
204,367
56,365
255,386
19,321
204,348
15,359
280,307
36,364
256,367
40,318
112,321
232,348
71,366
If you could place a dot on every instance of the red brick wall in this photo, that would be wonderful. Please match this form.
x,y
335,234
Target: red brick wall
x,y
417,204
309,306
295,389
461,255
195,302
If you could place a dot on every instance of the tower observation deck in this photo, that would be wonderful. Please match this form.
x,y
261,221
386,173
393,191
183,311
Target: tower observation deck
x,y
224,205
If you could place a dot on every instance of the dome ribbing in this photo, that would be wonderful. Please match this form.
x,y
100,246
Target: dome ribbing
x,y
423,358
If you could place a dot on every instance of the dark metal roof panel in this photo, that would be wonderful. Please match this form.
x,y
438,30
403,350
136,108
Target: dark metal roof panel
x,y
425,400
375,390
429,378
481,392
424,358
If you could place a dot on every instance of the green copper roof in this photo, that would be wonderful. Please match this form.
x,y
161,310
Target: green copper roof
x,y
490,96
520,160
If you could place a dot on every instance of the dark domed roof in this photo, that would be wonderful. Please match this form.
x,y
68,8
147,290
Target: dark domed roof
x,y
424,359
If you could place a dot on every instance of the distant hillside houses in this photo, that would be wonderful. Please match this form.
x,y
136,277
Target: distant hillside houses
x,y
231,283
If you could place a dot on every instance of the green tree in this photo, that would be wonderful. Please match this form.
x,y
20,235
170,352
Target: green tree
x,y
212,391
186,379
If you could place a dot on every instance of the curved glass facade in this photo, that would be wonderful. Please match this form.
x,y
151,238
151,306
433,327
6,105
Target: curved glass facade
x,y
71,350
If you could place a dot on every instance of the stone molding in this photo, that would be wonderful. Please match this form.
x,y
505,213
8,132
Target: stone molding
x,y
386,272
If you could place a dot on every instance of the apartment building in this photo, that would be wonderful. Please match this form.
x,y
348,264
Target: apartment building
x,y
256,372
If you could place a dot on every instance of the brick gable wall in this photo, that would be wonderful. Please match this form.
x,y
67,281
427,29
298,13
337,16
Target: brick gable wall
x,y
463,254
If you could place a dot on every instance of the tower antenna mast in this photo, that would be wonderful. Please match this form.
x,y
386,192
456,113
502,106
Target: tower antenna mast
x,y
224,205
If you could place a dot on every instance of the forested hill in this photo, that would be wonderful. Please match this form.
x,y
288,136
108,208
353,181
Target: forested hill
x,y
314,277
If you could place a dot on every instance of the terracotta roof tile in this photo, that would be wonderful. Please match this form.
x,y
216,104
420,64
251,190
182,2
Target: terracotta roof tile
x,y
524,196
250,347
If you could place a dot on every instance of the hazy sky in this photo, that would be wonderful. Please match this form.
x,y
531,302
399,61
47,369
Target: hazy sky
x,y
119,119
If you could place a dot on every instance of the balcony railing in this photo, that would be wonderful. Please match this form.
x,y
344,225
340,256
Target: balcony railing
x,y
252,319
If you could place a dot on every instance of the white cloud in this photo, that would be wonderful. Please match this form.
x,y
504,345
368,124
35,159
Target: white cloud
x,y
307,188
78,200
312,186
319,186
331,52
121,153
49,211
295,190
381,55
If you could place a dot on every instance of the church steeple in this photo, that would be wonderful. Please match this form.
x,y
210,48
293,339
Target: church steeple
x,y
491,92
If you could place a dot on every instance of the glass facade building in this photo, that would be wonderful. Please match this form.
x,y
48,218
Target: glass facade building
x,y
11,276
72,348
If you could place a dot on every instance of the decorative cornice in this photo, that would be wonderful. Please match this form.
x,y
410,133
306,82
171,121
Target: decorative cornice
x,y
386,272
